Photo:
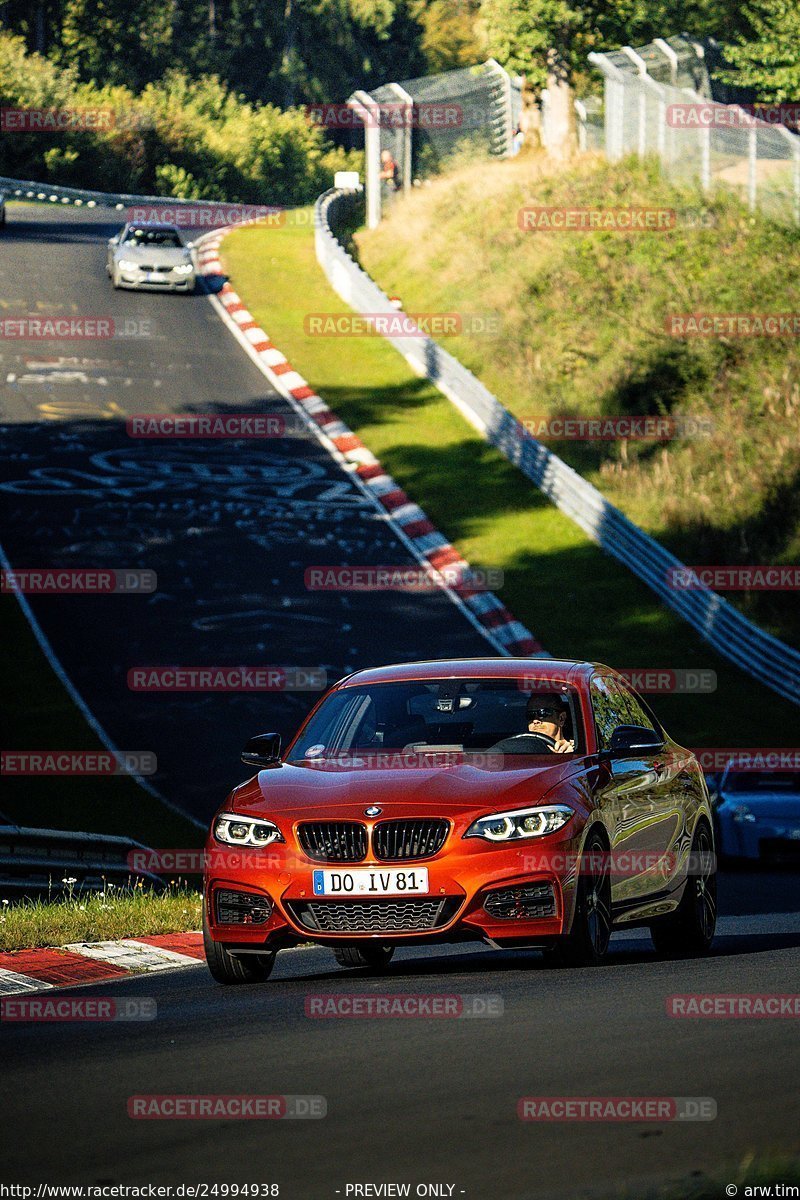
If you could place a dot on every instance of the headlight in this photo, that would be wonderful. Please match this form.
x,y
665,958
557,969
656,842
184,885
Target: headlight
x,y
127,264
742,815
245,831
183,268
520,823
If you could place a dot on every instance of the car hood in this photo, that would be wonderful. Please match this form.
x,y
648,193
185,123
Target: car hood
x,y
160,256
779,806
330,790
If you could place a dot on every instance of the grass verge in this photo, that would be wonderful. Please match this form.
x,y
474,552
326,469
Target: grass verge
x,y
104,916
582,331
38,713
579,602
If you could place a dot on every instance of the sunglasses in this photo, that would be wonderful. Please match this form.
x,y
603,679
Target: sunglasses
x,y
541,713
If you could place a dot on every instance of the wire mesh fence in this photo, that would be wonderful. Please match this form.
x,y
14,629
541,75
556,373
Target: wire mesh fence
x,y
752,149
413,127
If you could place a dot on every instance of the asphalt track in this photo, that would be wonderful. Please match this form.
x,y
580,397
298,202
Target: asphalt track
x,y
424,1100
228,527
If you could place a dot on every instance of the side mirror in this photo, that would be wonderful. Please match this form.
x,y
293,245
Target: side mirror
x,y
634,739
263,750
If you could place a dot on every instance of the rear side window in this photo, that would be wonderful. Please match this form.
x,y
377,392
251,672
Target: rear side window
x,y
615,704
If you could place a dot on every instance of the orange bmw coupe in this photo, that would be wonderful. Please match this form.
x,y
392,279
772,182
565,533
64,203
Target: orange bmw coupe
x,y
516,802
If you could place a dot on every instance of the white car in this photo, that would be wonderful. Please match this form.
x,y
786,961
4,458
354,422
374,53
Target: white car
x,y
151,257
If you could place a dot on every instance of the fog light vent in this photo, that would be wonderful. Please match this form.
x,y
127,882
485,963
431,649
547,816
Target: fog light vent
x,y
242,908
524,903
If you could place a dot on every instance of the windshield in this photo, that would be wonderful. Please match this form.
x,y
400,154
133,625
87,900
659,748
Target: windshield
x,y
152,237
458,715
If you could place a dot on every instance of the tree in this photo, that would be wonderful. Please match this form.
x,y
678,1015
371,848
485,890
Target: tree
x,y
451,33
767,57
117,41
522,33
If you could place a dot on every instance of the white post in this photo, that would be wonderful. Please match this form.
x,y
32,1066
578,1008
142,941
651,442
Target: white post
x,y
408,117
705,157
794,142
508,127
614,104
580,109
641,67
661,133
669,54
369,111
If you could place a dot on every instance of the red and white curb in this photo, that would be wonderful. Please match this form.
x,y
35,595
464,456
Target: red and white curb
x,y
486,612
96,962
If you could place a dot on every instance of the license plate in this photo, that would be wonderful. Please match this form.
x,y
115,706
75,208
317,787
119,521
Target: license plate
x,y
154,276
390,881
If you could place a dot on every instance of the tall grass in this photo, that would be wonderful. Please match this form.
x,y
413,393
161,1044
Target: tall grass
x,y
107,915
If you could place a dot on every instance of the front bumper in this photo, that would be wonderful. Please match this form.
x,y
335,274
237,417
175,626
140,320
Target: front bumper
x,y
763,838
169,282
462,879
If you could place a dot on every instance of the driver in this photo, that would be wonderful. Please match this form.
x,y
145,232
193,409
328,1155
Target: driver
x,y
546,717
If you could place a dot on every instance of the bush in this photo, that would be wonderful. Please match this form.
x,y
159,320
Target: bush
x,y
192,138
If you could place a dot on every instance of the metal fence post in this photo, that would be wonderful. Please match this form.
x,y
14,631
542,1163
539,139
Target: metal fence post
x,y
614,98
704,133
508,124
408,120
370,115
794,142
752,167
671,58
641,66
581,114
661,132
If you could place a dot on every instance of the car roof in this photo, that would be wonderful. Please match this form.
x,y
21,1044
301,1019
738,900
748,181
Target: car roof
x,y
546,670
154,226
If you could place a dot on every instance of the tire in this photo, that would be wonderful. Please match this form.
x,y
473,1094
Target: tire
x,y
376,958
586,944
229,968
689,931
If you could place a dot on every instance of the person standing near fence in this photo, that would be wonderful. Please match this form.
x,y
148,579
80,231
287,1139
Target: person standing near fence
x,y
389,175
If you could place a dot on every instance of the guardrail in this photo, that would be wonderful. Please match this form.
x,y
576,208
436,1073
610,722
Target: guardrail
x,y
718,622
46,193
36,862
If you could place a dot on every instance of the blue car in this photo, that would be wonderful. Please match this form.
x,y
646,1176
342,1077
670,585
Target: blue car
x,y
758,815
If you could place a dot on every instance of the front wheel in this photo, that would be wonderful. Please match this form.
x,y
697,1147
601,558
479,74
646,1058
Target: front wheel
x,y
376,958
230,968
690,929
586,944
